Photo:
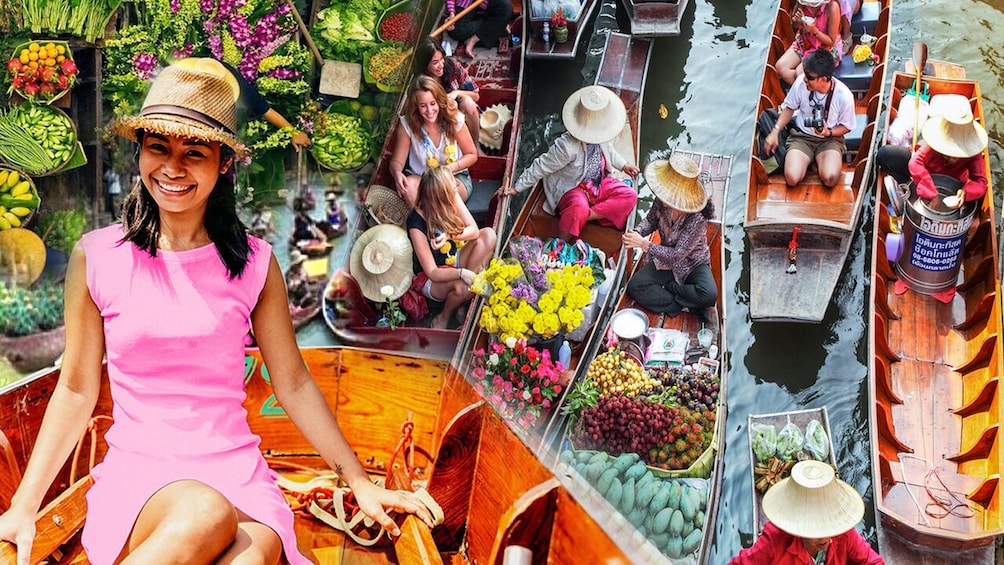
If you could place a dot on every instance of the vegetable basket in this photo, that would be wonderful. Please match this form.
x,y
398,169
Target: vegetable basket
x,y
341,143
402,7
369,56
40,140
41,71
19,198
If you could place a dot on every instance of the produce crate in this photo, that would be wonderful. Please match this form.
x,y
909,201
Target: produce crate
x,y
67,54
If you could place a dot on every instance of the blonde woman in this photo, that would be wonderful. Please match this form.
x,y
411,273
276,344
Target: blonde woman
x,y
432,134
449,247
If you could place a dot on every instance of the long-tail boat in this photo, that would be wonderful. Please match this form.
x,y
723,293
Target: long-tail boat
x,y
935,385
494,491
766,472
809,221
622,69
654,18
352,318
539,48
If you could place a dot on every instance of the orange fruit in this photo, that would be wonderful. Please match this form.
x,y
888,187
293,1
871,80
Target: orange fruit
x,y
60,58
50,62
60,49
24,58
33,56
33,47
33,64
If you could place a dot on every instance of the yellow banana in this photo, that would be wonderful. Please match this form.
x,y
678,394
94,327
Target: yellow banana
x,y
13,220
24,196
4,224
3,177
12,179
20,211
22,187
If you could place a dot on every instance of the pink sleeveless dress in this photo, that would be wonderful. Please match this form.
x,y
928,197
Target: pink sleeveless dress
x,y
174,330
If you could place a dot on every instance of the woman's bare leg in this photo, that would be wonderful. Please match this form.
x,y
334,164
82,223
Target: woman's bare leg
x,y
255,544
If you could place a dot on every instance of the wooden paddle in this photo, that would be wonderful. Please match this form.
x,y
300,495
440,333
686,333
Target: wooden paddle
x,y
919,61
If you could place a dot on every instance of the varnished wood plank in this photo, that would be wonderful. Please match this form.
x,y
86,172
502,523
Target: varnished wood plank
x,y
528,523
451,483
982,401
981,314
793,211
56,523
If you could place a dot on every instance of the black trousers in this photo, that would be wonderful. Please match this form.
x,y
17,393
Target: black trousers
x,y
658,291
895,160
489,24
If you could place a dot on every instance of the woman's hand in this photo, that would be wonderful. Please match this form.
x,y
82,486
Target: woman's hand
x,y
438,240
631,170
300,139
19,529
376,501
400,184
633,239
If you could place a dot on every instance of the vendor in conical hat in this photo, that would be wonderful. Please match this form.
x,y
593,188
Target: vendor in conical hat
x,y
811,518
678,274
953,144
576,169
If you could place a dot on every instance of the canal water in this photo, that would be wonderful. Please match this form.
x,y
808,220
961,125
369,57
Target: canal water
x,y
708,78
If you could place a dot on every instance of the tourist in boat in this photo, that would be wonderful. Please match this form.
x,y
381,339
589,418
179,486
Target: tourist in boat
x,y
449,247
817,27
577,169
953,144
823,108
678,274
432,133
811,518
482,27
169,295
431,60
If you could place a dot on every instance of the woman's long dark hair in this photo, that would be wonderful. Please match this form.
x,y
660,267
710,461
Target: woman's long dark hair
x,y
141,221
427,47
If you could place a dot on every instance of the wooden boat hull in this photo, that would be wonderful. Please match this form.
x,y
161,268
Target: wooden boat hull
x,y
488,482
825,217
500,80
624,73
537,48
800,418
653,18
935,387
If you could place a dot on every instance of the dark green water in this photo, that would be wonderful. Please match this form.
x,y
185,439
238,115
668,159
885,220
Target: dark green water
x,y
708,78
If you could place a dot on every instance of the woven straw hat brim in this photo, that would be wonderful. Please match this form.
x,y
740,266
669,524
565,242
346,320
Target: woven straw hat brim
x,y
492,125
675,182
180,126
594,126
813,503
382,257
951,129
386,206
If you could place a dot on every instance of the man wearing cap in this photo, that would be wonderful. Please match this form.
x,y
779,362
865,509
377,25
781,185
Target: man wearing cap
x,y
576,169
952,145
823,109
679,273
811,516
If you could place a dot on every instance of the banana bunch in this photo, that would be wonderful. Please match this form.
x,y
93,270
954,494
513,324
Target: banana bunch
x,y
18,199
771,472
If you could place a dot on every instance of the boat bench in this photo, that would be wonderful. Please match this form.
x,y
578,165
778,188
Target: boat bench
x,y
866,19
857,76
480,201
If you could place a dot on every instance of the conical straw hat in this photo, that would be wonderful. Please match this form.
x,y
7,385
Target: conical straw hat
x,y
675,183
951,129
812,503
594,114
493,122
381,262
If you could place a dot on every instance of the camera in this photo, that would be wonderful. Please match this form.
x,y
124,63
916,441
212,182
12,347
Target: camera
x,y
816,120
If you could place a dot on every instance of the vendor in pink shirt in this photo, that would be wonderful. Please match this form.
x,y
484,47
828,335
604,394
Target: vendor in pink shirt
x,y
812,515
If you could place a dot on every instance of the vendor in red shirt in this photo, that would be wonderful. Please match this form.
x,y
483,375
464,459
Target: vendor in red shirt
x,y
812,515
953,145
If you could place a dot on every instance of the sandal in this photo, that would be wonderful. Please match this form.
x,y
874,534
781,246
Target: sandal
x,y
342,513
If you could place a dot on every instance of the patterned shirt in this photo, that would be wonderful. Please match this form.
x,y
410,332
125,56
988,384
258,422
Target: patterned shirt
x,y
460,80
454,6
684,240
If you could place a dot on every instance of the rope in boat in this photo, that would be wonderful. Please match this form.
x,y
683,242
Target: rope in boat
x,y
90,430
951,505
902,469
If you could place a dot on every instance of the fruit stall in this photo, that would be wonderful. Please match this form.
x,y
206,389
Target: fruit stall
x,y
69,72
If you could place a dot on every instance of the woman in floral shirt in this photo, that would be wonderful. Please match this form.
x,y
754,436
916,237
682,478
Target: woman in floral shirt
x,y
678,274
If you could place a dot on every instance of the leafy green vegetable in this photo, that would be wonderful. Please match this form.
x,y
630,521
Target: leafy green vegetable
x,y
816,442
347,29
789,441
764,441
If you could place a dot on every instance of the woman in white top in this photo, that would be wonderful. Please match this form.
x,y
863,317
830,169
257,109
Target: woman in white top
x,y
432,134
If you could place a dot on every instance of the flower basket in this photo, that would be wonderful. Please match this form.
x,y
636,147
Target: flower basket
x,y
522,383
41,71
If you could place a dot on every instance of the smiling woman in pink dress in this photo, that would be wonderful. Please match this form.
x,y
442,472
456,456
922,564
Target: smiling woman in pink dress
x,y
169,295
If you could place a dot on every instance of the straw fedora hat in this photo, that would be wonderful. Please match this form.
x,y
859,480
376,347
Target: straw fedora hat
x,y
951,129
813,503
386,206
594,114
492,124
196,100
675,183
381,262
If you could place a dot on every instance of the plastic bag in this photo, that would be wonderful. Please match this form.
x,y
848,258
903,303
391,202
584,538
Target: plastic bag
x,y
901,129
764,441
789,441
816,442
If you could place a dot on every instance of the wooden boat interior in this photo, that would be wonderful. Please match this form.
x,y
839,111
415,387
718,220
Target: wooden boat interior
x,y
538,48
494,493
800,418
825,216
936,384
499,79
652,18
622,69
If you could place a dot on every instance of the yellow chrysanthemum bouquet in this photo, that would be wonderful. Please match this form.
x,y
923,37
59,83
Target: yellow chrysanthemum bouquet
x,y
532,297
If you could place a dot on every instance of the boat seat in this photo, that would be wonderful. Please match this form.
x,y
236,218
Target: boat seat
x,y
866,19
857,77
853,138
480,201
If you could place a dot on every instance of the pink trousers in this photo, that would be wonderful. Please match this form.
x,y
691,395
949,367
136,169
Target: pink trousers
x,y
614,202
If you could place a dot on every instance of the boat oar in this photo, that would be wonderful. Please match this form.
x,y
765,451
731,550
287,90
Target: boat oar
x,y
919,61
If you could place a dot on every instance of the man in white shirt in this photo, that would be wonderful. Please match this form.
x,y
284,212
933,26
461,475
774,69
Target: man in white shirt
x,y
824,108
